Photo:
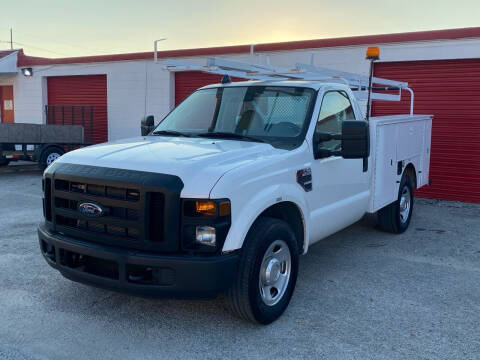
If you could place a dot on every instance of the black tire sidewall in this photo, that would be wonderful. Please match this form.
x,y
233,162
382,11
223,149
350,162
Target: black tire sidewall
x,y
263,313
405,182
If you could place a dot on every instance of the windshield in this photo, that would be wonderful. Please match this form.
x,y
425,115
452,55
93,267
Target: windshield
x,y
277,115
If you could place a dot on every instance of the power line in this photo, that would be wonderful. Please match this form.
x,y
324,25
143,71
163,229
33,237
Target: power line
x,y
40,48
65,43
33,47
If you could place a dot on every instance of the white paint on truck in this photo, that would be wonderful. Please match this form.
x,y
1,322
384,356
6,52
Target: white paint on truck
x,y
260,170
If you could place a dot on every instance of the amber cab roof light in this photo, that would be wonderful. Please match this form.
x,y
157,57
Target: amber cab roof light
x,y
373,53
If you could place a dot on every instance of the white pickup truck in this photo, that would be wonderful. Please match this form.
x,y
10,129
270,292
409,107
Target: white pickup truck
x,y
228,191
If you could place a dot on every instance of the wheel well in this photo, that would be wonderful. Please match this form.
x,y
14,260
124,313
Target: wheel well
x,y
410,171
291,214
52,147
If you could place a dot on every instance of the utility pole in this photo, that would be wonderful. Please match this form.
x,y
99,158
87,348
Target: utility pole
x,y
11,39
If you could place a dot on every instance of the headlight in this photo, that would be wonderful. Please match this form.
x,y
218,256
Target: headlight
x,y
205,224
206,235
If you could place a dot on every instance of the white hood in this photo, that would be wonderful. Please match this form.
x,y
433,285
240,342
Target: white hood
x,y
199,162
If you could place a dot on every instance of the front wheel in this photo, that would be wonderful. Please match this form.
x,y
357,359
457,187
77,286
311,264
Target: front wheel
x,y
395,218
267,273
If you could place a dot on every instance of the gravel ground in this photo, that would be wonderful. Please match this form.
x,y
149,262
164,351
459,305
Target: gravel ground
x,y
361,294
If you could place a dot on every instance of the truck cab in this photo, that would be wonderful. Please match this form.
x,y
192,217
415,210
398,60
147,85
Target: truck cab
x,y
224,194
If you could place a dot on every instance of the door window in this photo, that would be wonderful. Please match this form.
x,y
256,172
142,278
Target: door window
x,y
336,108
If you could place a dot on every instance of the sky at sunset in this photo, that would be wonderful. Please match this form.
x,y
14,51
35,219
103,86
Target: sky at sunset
x,y
53,28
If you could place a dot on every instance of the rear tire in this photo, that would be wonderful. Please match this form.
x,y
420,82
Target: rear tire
x,y
267,272
395,218
50,154
4,162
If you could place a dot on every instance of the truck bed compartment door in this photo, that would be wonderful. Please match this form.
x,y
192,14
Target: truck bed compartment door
x,y
385,174
423,178
410,139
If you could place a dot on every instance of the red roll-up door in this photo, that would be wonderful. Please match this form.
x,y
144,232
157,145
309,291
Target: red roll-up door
x,y
450,90
81,100
189,81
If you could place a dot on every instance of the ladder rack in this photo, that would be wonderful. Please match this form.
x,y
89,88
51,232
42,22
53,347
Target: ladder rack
x,y
358,83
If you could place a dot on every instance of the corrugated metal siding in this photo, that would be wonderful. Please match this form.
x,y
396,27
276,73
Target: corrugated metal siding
x,y
189,81
83,90
450,90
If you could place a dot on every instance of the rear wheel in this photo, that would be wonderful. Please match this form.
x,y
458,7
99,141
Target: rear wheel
x,y
4,161
267,274
396,217
50,154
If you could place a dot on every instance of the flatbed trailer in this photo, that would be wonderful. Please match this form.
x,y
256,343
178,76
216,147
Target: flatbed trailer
x,y
39,142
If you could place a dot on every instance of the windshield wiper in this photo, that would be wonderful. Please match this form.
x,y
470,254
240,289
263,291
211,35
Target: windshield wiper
x,y
170,133
227,135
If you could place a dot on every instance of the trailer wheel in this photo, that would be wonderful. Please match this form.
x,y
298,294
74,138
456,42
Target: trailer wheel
x,y
50,154
395,218
4,162
267,273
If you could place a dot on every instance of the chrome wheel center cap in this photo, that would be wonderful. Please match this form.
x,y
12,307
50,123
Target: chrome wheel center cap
x,y
405,204
272,271
275,272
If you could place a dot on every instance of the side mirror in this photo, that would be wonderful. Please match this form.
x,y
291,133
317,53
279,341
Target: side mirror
x,y
355,140
147,125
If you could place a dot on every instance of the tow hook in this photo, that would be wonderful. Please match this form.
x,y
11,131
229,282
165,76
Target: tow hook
x,y
139,277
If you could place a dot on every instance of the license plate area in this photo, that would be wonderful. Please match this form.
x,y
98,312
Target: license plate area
x,y
88,264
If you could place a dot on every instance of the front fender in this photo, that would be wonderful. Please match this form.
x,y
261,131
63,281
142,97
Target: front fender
x,y
249,204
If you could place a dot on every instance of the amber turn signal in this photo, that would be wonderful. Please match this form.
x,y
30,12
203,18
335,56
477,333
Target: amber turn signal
x,y
373,53
224,208
206,207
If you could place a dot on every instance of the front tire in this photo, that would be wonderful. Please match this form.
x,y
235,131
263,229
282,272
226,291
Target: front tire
x,y
395,218
267,273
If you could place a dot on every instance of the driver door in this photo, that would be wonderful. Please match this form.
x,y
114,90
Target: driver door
x,y
340,190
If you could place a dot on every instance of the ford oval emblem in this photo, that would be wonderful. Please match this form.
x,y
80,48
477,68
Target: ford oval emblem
x,y
91,209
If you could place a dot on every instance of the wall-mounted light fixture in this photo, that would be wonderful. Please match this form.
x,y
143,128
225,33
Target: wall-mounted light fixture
x,y
27,72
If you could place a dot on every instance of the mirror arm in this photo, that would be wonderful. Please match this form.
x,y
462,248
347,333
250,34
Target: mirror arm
x,y
321,137
324,153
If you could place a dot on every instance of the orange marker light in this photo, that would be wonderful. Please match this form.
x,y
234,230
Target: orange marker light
x,y
224,208
373,53
206,207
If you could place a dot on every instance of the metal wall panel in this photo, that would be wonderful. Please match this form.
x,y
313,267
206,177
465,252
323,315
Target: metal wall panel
x,y
82,91
187,82
450,90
